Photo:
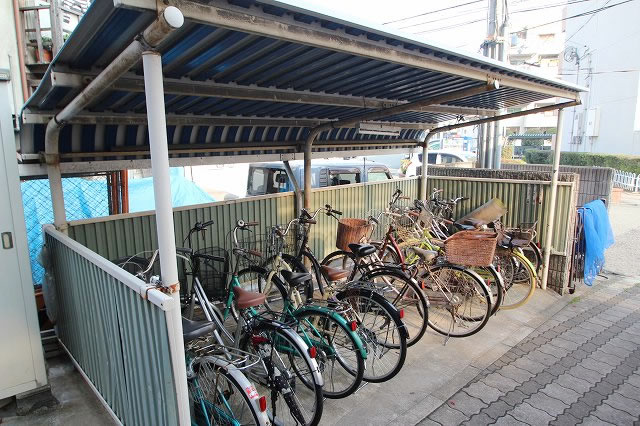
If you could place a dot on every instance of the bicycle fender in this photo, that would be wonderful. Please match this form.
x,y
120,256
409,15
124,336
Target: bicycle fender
x,y
524,259
339,319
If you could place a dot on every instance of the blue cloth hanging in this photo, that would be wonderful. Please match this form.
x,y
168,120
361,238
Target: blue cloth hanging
x,y
598,237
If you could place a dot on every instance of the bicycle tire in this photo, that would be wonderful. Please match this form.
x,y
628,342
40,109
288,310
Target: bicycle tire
x,y
519,293
353,367
275,331
438,299
415,319
226,413
377,350
409,297
496,285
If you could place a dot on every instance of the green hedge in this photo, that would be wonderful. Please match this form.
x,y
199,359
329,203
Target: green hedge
x,y
627,163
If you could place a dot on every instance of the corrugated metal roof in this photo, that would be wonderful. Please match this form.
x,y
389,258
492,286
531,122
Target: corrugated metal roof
x,y
213,69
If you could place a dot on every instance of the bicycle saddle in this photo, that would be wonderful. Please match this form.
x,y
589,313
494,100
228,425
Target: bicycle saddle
x,y
192,330
425,255
334,274
362,250
248,299
296,278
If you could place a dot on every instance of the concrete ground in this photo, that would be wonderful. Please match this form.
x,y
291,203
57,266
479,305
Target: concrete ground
x,y
78,406
622,257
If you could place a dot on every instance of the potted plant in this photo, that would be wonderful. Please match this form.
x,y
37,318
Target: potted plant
x,y
47,46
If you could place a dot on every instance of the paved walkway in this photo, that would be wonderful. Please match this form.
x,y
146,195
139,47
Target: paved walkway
x,y
582,366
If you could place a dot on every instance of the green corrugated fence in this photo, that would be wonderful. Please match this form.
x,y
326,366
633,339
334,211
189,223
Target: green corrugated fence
x,y
115,334
527,201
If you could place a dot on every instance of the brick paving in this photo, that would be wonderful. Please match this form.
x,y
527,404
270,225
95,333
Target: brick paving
x,y
582,366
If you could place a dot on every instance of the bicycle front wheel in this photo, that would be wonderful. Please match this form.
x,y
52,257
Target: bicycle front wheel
x,y
216,396
460,302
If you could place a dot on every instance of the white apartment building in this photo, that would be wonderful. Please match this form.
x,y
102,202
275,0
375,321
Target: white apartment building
x,y
538,49
602,53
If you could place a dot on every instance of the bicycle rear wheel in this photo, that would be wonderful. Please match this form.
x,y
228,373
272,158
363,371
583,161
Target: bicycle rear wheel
x,y
460,302
381,330
518,292
338,356
217,396
404,294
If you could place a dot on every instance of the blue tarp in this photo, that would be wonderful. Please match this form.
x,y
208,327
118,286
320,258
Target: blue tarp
x,y
183,193
598,237
85,198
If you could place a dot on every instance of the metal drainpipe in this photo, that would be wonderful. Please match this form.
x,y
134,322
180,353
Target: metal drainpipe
x,y
307,164
170,19
423,179
296,187
548,240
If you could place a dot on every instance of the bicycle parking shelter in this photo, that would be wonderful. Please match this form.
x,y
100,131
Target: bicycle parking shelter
x,y
149,83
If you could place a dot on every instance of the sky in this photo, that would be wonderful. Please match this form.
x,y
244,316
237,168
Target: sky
x,y
462,26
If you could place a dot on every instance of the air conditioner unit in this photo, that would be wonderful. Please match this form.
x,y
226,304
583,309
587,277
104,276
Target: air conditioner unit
x,y
378,129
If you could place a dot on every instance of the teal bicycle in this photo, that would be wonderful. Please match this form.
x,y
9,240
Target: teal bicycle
x,y
337,347
287,372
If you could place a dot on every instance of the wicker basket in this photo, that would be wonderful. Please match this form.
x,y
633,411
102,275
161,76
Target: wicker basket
x,y
351,231
471,248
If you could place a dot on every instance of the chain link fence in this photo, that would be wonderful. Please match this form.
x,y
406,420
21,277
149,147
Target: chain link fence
x,y
85,197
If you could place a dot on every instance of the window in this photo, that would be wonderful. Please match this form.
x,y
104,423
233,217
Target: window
x,y
448,158
546,37
267,181
431,157
377,175
258,181
343,178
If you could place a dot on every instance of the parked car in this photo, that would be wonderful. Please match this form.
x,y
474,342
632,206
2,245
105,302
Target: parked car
x,y
271,178
413,163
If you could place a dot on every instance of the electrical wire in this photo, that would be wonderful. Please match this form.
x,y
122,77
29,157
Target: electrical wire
x,y
590,12
433,11
583,25
469,12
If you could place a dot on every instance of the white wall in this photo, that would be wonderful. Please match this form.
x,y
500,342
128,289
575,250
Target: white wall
x,y
608,42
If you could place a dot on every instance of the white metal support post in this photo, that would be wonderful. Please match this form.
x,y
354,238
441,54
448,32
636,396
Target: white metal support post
x,y
552,205
154,93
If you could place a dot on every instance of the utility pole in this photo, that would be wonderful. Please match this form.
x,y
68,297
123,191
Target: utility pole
x,y
493,47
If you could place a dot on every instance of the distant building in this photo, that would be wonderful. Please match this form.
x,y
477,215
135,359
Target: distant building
x,y
602,54
538,50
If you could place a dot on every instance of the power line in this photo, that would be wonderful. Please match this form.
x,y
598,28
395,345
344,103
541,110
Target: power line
x,y
583,25
469,12
452,26
576,16
433,11
601,72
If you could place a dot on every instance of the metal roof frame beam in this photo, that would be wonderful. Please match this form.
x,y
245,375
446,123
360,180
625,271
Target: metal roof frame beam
x,y
198,120
75,167
253,20
187,87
